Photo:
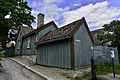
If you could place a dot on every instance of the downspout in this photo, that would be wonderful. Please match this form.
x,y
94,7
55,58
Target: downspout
x,y
21,47
36,45
21,40
72,53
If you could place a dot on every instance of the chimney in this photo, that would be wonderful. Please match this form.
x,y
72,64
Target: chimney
x,y
40,20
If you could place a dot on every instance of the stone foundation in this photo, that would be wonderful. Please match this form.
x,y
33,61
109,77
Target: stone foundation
x,y
30,57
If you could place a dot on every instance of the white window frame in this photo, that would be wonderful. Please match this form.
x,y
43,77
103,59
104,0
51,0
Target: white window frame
x,y
28,42
18,46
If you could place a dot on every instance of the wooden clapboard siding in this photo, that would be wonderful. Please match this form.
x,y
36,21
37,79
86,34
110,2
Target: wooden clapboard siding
x,y
44,31
34,38
31,50
82,47
55,54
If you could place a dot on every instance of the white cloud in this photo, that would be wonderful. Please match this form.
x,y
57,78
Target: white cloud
x,y
49,8
97,15
77,4
50,1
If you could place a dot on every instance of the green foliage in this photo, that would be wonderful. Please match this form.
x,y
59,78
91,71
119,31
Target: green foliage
x,y
101,69
112,33
19,12
105,38
67,76
1,52
83,77
107,68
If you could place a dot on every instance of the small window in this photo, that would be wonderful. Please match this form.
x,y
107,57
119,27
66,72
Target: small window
x,y
28,43
18,47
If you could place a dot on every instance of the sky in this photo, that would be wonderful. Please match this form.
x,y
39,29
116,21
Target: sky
x,y
96,12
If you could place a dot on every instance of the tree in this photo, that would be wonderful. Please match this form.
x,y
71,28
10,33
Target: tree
x,y
1,51
112,34
19,13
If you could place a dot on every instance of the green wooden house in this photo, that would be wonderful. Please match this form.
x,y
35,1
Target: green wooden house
x,y
27,36
66,47
22,31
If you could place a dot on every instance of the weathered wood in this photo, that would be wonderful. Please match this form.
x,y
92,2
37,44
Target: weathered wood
x,y
55,54
82,47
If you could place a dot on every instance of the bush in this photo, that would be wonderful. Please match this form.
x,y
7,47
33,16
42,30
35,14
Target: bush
x,y
2,51
2,54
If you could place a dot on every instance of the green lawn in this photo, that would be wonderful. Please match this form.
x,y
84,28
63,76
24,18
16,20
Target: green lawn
x,y
107,68
101,69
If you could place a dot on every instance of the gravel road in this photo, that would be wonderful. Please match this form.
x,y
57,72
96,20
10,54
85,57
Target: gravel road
x,y
13,71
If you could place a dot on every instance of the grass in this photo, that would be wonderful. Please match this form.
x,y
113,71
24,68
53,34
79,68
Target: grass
x,y
101,69
82,77
67,76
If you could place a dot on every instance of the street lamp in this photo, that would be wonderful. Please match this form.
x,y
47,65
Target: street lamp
x,y
93,65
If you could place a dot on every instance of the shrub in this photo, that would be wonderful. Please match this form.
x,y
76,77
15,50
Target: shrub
x,y
1,51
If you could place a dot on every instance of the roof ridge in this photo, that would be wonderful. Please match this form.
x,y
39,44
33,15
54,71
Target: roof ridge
x,y
66,25
62,32
27,27
71,22
40,28
97,30
76,24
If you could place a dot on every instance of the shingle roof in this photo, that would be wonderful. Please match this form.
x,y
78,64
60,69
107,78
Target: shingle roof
x,y
62,33
94,35
40,28
26,30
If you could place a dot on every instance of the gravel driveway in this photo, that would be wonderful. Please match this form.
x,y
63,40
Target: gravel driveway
x,y
13,71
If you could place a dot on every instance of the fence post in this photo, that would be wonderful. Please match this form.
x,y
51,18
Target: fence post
x,y
93,69
113,67
113,56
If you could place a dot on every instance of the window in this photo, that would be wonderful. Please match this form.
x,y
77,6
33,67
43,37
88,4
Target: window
x,y
18,46
28,43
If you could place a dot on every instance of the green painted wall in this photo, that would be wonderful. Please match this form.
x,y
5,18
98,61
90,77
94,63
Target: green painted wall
x,y
32,50
55,54
44,31
17,51
82,47
34,38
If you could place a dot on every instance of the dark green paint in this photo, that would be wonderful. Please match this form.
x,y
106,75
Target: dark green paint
x,y
82,47
55,54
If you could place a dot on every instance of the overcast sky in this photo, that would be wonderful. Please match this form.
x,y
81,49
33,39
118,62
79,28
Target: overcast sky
x,y
96,12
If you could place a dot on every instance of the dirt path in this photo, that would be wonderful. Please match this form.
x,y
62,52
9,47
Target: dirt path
x,y
13,71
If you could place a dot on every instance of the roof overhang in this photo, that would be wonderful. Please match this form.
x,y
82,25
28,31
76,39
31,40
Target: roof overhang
x,y
53,40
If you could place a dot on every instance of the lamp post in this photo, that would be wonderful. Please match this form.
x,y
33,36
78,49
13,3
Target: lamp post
x,y
93,66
